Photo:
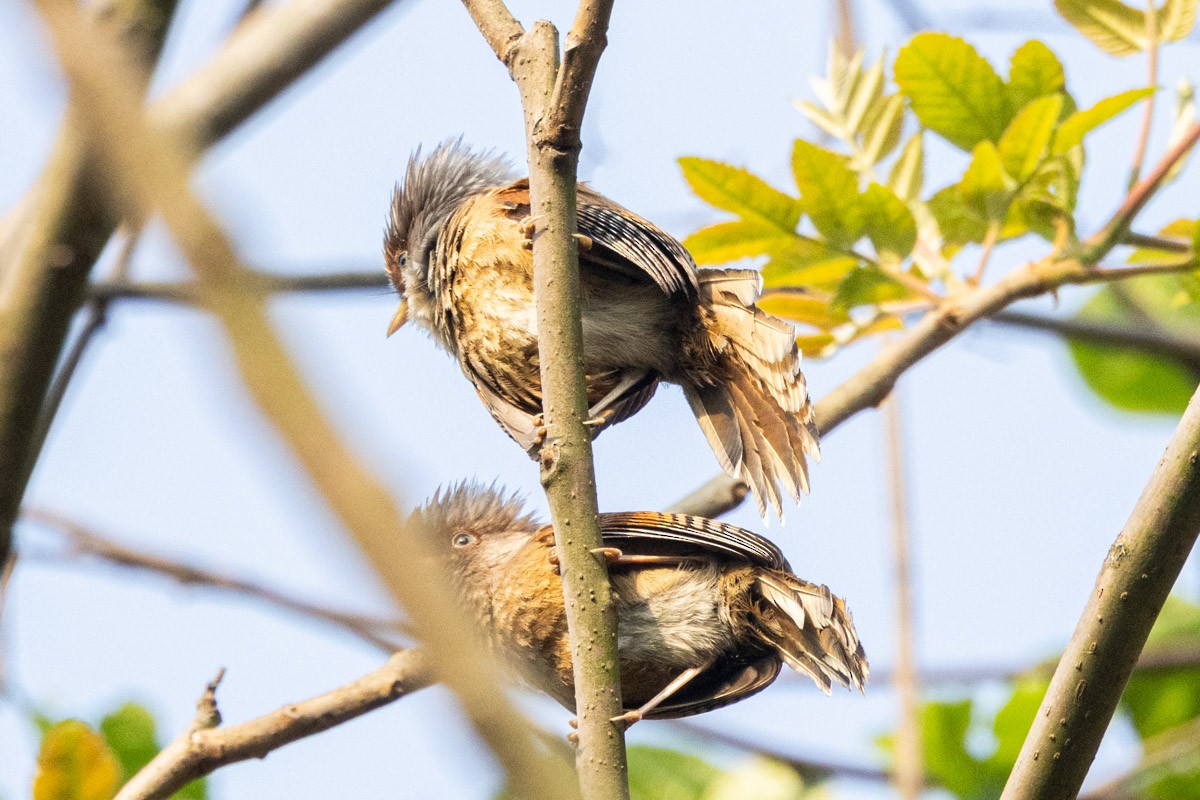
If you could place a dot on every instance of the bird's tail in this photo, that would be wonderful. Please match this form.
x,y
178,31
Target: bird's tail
x,y
756,411
812,630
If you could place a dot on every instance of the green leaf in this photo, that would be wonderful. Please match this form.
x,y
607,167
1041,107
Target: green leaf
x,y
1011,725
74,763
1079,124
1128,379
1026,140
882,130
944,729
656,773
130,732
1113,26
908,173
985,187
888,223
761,779
807,262
741,238
740,191
1176,19
1160,700
803,307
829,192
1034,72
954,90
867,286
1187,231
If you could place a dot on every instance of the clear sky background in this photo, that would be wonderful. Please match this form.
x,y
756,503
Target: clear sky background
x,y
1020,478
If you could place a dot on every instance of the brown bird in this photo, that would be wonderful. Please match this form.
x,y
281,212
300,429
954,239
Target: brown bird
x,y
458,252
707,612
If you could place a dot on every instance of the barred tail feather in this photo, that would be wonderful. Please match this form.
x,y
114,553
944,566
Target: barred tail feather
x,y
758,417
813,631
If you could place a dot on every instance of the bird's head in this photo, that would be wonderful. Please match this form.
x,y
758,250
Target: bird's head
x,y
433,187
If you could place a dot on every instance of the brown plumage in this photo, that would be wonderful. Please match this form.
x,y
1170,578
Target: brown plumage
x,y
458,255
693,596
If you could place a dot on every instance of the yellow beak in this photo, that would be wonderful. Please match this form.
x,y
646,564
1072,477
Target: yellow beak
x,y
399,318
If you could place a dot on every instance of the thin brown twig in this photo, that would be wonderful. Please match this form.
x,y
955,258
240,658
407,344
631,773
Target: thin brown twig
x,y
383,633
909,774
1176,346
989,244
1157,242
1143,140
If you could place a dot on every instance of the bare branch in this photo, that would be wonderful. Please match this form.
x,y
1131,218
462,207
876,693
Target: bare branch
x,y
1133,337
153,171
382,633
1137,575
203,748
1143,140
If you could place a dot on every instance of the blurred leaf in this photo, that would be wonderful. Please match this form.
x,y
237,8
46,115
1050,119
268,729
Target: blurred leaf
x,y
816,345
1185,230
1113,26
985,188
1012,724
1161,699
1034,72
1176,19
800,306
1185,117
954,90
958,224
74,763
867,286
740,191
656,773
1079,124
944,729
1027,139
130,733
908,173
1128,379
888,223
761,779
882,129
741,238
807,263
828,192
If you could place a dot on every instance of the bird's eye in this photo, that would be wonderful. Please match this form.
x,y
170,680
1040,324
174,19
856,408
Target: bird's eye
x,y
462,539
403,260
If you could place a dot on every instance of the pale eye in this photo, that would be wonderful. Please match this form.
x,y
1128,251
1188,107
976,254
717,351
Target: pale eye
x,y
462,539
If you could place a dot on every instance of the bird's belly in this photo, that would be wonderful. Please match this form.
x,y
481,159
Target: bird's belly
x,y
671,618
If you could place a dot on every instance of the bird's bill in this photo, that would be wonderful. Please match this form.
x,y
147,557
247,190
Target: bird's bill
x,y
399,318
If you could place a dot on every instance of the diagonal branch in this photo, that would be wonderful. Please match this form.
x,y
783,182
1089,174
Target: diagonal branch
x,y
554,100
1135,579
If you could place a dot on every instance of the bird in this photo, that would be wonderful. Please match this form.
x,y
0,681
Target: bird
x,y
457,249
707,612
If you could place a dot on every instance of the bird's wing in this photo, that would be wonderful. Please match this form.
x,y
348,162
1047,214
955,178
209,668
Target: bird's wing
x,y
721,684
655,532
615,240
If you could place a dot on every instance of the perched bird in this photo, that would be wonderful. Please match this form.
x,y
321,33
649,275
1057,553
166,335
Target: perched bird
x,y
458,251
707,612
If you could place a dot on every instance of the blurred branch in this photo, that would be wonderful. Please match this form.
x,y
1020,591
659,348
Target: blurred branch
x,y
190,292
379,632
63,223
870,385
204,747
911,14
554,98
909,775
1154,342
51,239
153,170
1134,582
1143,140
1162,751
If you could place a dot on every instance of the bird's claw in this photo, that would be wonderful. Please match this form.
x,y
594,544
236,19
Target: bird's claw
x,y
585,241
610,555
527,228
628,718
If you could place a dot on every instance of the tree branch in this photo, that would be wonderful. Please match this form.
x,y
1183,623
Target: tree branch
x,y
382,633
1134,582
153,171
1185,349
554,100
204,748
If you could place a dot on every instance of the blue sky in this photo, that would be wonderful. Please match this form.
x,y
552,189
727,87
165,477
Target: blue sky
x,y
1019,478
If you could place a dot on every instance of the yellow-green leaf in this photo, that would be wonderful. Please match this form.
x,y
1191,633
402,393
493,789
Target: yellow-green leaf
x,y
1186,231
985,188
741,238
1113,26
1176,19
738,190
867,286
908,173
816,345
800,306
807,264
1079,124
829,192
882,129
954,90
888,223
74,763
1027,139
1034,72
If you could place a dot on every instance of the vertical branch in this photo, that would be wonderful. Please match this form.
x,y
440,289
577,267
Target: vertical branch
x,y
1143,140
1135,579
554,99
909,775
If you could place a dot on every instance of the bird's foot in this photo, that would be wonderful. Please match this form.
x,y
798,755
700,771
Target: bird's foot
x,y
527,228
585,241
610,555
628,718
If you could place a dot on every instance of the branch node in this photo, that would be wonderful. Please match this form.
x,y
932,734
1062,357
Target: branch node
x,y
207,714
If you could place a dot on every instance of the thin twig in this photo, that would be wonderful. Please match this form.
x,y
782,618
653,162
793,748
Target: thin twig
x,y
1137,575
1143,140
989,244
910,771
1157,242
1162,751
1179,347
383,633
